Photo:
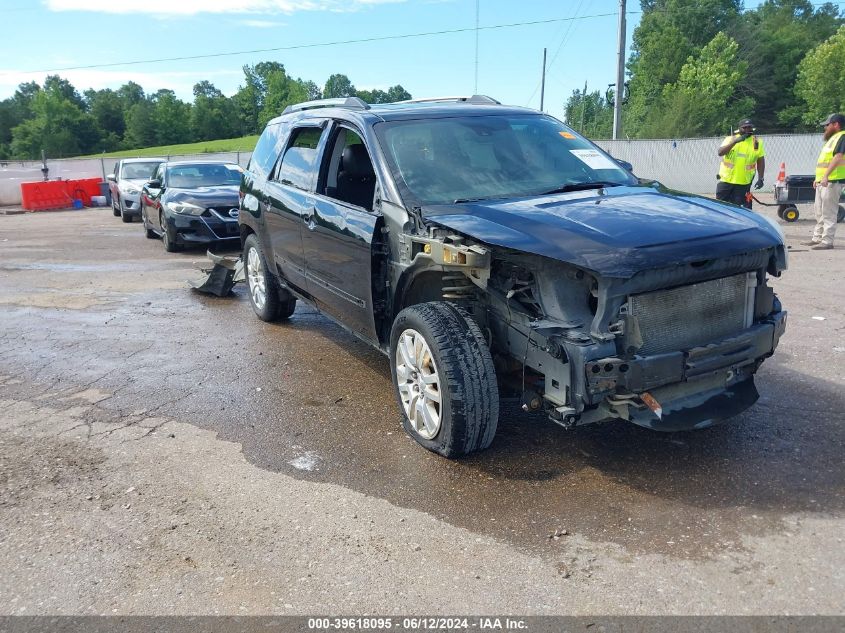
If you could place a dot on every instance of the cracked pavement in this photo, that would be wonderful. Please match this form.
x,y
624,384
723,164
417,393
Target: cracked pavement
x,y
163,452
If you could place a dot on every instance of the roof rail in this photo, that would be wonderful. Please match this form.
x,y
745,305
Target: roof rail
x,y
474,99
352,103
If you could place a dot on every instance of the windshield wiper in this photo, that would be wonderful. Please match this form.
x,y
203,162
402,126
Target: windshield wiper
x,y
581,186
462,200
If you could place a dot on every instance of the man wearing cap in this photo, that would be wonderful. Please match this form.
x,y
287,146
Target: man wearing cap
x,y
742,154
830,179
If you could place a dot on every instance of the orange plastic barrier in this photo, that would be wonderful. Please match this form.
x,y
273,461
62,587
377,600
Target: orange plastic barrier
x,y
38,196
58,194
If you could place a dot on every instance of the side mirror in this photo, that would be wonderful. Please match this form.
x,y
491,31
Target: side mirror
x,y
624,164
111,178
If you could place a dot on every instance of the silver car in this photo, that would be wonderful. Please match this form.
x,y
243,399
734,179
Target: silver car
x,y
125,184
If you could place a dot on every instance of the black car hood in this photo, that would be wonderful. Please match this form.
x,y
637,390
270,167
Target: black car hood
x,y
615,232
219,196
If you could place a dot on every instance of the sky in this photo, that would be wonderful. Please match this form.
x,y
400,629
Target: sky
x,y
427,46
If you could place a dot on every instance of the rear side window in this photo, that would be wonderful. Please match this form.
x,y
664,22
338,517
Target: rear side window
x,y
298,164
265,152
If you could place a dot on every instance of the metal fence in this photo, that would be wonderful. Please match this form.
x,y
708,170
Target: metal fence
x,y
686,164
691,164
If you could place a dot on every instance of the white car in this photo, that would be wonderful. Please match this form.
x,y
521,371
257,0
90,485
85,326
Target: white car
x,y
130,174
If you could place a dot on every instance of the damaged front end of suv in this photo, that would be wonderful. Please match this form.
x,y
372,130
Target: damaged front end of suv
x,y
609,299
665,335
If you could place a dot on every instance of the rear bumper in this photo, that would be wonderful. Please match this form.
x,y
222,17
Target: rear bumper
x,y
695,387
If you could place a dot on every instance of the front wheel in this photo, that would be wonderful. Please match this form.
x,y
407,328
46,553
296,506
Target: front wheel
x,y
444,379
151,235
125,217
167,240
269,301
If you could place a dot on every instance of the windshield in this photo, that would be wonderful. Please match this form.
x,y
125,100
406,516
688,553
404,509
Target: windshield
x,y
442,161
203,175
139,171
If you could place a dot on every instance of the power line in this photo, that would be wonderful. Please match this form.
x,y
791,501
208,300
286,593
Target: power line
x,y
314,45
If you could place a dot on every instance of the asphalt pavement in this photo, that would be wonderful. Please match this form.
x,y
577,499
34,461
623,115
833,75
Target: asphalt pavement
x,y
165,452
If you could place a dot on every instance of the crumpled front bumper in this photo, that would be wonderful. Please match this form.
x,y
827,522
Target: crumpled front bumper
x,y
695,387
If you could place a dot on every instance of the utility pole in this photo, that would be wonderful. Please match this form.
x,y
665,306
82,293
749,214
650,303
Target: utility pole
x,y
475,91
620,74
583,106
543,82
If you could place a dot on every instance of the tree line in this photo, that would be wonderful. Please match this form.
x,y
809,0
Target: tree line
x,y
699,66
56,118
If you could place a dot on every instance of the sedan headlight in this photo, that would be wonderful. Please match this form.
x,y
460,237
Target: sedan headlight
x,y
185,208
129,189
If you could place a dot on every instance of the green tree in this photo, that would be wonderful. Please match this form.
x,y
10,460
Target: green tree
x,y
14,111
282,91
107,109
589,114
397,93
140,128
65,89
705,100
338,86
130,94
821,79
670,31
171,118
58,126
773,39
213,115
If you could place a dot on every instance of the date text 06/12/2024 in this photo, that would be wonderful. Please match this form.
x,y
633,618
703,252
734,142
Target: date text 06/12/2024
x,y
377,623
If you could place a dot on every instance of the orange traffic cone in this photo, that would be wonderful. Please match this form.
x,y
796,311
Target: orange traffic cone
x,y
782,173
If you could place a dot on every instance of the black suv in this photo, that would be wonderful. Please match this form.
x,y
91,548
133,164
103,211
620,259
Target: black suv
x,y
491,250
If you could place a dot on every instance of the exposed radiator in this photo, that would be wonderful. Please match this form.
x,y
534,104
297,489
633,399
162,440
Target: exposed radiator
x,y
693,315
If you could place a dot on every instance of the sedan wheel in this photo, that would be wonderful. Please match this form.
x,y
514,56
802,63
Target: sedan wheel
x,y
166,239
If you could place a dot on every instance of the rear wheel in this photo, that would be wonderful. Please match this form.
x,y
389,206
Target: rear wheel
x,y
444,379
269,301
790,213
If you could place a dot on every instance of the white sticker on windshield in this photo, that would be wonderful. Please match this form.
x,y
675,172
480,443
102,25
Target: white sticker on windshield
x,y
593,159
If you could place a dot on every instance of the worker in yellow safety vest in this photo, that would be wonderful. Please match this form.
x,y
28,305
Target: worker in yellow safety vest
x,y
742,155
830,179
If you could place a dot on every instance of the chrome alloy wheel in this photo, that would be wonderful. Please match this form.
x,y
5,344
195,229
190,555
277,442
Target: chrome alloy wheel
x,y
255,277
418,383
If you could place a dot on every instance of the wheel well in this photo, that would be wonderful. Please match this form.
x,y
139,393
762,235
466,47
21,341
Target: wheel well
x,y
246,231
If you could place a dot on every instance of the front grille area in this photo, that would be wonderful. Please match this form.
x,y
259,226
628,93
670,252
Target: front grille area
x,y
693,315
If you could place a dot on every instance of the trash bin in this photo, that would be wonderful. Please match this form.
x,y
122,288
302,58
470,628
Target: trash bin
x,y
105,191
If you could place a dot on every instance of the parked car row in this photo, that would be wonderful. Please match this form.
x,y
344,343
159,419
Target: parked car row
x,y
181,202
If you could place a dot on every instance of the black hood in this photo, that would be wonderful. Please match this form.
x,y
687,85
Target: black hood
x,y
616,232
219,196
